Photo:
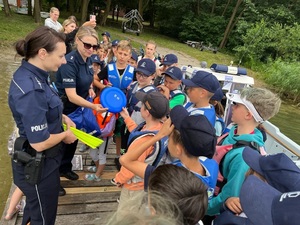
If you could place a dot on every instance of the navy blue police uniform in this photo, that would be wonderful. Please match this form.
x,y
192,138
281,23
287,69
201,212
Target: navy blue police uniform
x,y
76,74
37,111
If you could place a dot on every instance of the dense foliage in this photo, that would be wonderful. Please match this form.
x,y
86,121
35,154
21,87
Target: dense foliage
x,y
255,31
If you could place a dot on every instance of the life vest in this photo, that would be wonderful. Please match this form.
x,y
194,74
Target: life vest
x,y
210,113
132,100
176,93
222,150
114,76
160,147
105,120
210,168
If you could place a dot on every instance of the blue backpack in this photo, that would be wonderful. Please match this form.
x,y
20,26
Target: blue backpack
x,y
159,152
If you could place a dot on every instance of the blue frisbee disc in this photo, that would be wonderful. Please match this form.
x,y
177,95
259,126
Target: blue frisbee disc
x,y
113,99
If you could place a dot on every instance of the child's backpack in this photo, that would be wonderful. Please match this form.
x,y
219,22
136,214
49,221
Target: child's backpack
x,y
222,150
160,147
105,120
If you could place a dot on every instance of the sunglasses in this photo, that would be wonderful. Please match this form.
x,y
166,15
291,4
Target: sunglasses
x,y
89,46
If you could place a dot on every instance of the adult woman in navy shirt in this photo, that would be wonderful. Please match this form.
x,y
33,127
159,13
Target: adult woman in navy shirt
x,y
74,82
37,111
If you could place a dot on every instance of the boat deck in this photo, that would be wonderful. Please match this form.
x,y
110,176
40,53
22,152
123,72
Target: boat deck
x,y
86,202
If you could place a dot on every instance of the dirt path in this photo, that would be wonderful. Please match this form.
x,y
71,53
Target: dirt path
x,y
183,59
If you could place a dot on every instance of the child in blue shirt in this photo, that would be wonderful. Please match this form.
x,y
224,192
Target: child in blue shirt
x,y
189,138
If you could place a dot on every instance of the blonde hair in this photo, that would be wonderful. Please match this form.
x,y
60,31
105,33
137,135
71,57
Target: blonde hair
x,y
67,22
87,31
151,42
266,103
53,9
139,211
124,45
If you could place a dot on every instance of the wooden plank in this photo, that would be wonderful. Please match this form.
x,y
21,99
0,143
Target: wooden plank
x,y
86,208
99,218
84,183
85,198
106,175
14,219
78,190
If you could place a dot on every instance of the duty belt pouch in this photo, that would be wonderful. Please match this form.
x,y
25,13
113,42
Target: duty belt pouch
x,y
33,169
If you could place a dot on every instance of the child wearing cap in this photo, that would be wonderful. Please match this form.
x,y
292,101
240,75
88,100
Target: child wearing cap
x,y
215,100
134,59
168,60
171,86
200,89
192,141
250,108
105,37
118,74
145,72
155,107
111,56
262,204
277,170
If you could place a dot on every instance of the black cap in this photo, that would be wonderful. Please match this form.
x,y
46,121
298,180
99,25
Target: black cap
x,y
197,134
155,102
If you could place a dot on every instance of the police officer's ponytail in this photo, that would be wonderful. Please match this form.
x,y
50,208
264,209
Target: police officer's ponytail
x,y
42,37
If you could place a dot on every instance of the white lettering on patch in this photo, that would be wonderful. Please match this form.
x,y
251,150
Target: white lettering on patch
x,y
68,80
39,127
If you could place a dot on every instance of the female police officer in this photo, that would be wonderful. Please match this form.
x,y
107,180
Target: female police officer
x,y
37,111
74,82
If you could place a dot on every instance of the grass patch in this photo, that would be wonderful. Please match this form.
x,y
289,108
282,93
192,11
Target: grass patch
x,y
21,25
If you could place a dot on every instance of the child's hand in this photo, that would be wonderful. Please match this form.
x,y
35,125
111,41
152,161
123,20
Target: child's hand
x,y
124,113
164,90
166,129
233,203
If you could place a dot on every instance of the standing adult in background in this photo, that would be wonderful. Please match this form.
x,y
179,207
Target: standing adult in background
x,y
74,82
52,21
150,50
37,111
69,28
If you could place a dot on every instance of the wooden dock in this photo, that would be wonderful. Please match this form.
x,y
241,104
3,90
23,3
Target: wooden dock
x,y
86,202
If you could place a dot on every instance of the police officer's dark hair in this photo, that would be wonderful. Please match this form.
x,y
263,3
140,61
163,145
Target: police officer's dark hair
x,y
180,185
42,37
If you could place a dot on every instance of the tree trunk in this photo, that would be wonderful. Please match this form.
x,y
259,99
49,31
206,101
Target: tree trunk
x,y
227,31
142,6
72,7
213,7
225,9
105,14
6,8
152,13
37,12
84,10
29,4
234,24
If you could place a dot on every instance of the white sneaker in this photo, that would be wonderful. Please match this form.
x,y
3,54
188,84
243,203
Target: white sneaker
x,y
83,148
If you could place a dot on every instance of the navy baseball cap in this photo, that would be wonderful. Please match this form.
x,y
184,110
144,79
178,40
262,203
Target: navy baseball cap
x,y
146,66
264,205
197,134
106,34
174,72
204,80
169,59
218,95
156,103
95,59
115,43
279,170
134,56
